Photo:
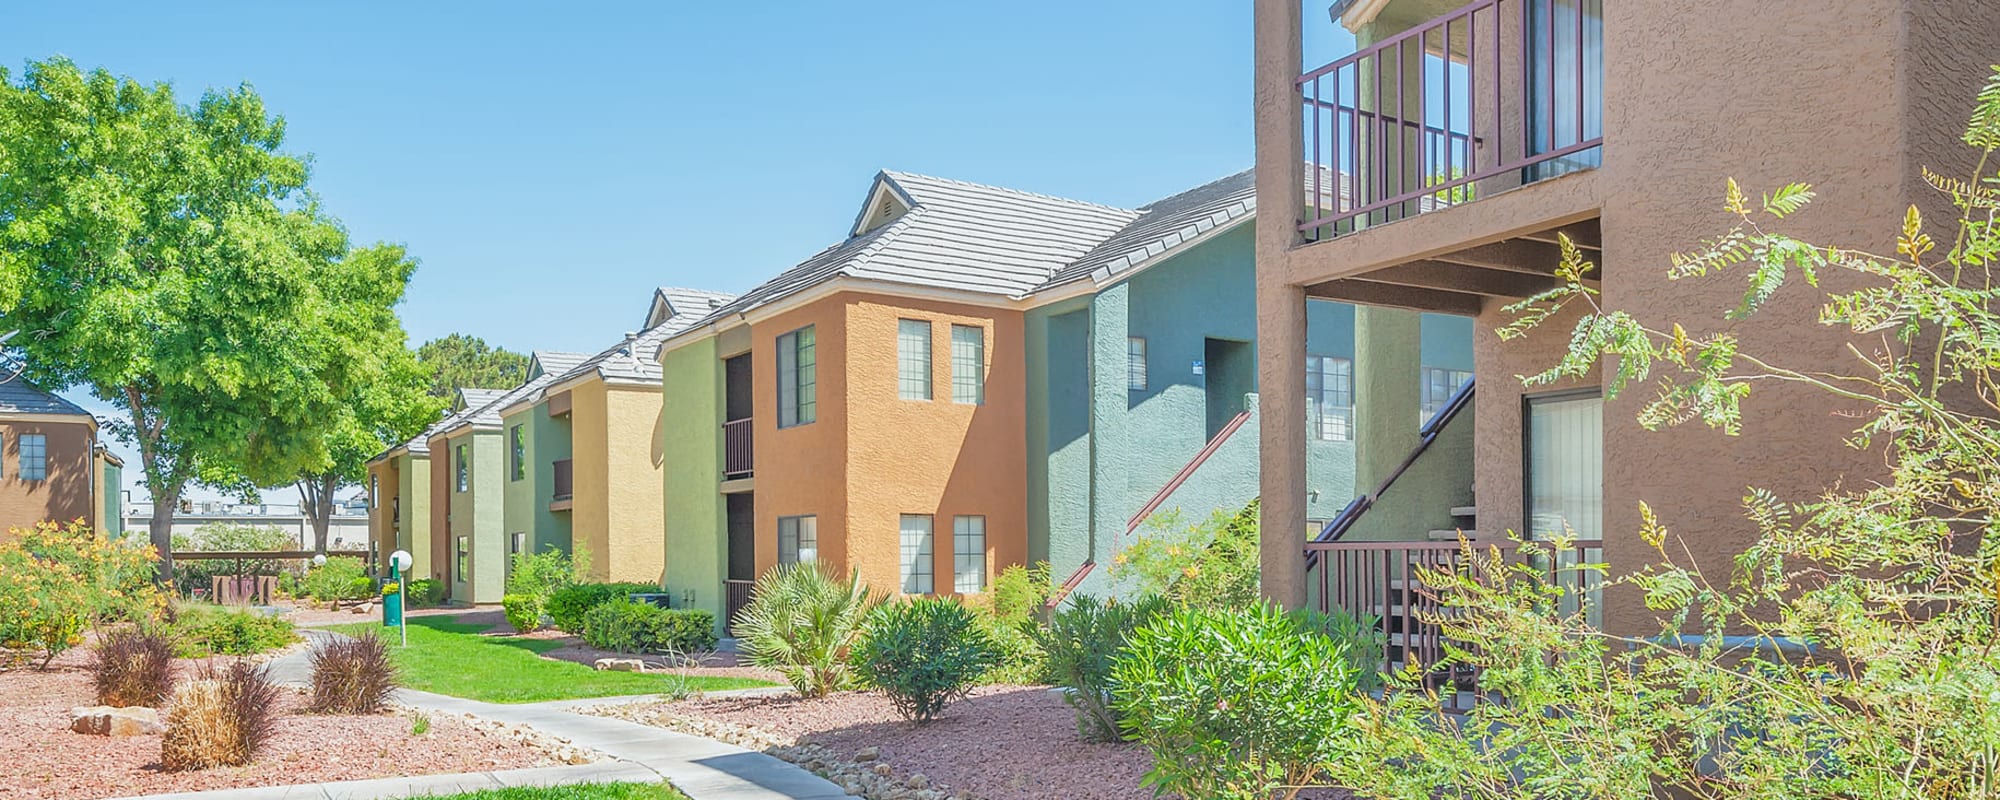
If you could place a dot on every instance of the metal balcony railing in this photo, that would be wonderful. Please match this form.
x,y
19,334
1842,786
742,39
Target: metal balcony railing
x,y
737,449
1491,96
563,486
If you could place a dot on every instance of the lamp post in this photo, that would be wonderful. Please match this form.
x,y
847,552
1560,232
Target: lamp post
x,y
392,604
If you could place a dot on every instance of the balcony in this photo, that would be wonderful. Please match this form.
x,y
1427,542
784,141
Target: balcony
x,y
737,449
562,486
1493,96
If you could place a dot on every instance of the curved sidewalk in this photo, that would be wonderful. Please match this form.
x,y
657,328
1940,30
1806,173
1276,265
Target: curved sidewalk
x,y
703,769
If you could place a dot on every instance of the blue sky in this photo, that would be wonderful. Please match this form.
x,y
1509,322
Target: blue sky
x,y
550,166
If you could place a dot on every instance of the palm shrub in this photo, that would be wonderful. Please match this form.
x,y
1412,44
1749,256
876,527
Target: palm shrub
x,y
801,622
132,669
925,653
1080,642
1865,617
1234,704
352,676
220,718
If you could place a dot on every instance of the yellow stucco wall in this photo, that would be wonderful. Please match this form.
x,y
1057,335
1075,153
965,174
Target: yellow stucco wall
x,y
385,481
589,514
616,512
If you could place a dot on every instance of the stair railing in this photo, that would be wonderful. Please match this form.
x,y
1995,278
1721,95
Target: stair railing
x,y
1355,509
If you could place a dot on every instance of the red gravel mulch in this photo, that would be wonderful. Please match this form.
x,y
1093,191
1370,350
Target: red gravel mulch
x,y
41,758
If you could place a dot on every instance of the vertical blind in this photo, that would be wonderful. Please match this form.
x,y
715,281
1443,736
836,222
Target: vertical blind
x,y
1566,467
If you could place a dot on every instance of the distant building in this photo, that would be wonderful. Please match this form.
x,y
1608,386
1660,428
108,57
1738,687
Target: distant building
x,y
346,530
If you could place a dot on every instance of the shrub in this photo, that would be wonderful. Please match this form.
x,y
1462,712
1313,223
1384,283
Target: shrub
x,y
801,622
340,578
424,593
228,537
133,669
1080,642
628,627
201,631
57,581
1210,565
1360,640
531,579
352,676
567,605
221,718
1235,704
925,653
1009,611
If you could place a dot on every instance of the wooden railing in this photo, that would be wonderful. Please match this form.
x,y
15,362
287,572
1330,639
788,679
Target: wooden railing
x,y
563,486
1075,579
738,449
1421,120
736,596
1385,581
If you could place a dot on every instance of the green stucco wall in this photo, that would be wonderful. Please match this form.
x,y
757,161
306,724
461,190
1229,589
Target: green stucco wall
x,y
545,440
691,470
1395,345
413,535
480,512
1098,451
113,481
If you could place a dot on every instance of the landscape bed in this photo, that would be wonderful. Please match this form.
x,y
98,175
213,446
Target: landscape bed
x,y
41,758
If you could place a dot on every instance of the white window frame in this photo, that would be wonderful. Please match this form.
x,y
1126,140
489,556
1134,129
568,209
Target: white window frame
x,y
915,548
798,377
913,359
798,539
1135,364
1329,409
35,446
968,364
1437,386
968,551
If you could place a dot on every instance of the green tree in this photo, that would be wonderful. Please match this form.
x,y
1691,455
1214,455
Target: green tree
x,y
169,259
460,361
1860,658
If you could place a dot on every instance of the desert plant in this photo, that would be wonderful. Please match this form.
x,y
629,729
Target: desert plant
x,y
1238,704
531,579
567,605
628,627
1849,651
1009,611
1210,565
133,668
925,653
1080,641
58,581
340,578
424,593
201,630
352,676
801,622
220,718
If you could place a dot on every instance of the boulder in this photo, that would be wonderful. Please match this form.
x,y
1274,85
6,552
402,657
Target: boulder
x,y
111,721
620,664
868,754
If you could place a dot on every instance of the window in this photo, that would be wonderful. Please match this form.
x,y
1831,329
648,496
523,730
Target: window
x,y
798,539
34,457
1565,441
968,554
1135,363
1439,384
798,398
520,452
464,469
968,364
916,554
516,545
464,553
1329,399
913,359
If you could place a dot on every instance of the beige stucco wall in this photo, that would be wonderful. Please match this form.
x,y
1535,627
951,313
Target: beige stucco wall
x,y
616,511
67,494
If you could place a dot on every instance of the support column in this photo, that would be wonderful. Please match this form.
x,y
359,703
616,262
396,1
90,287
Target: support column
x,y
1281,307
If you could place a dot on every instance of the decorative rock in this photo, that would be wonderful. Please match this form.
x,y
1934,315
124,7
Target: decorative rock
x,y
869,753
918,781
884,770
110,721
620,664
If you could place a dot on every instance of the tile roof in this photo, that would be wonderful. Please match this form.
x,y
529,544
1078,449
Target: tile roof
x,y
956,235
631,358
474,398
1166,224
21,397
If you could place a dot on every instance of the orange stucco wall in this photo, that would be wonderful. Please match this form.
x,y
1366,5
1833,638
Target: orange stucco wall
x,y
871,457
67,494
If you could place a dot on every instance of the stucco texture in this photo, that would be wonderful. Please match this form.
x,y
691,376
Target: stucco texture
x,y
477,513
696,543
66,494
616,513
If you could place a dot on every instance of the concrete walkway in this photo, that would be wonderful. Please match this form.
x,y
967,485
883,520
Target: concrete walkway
x,y
704,769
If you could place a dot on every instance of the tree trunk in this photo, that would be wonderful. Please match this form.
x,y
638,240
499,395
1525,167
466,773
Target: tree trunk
x,y
160,530
316,500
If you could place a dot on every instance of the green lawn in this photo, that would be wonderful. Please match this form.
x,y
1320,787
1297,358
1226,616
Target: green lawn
x,y
447,657
581,791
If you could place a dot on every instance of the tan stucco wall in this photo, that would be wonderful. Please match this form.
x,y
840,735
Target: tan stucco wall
x,y
68,493
801,470
617,510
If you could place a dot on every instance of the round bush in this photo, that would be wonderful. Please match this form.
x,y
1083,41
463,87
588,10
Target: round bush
x,y
424,593
566,606
925,653
522,612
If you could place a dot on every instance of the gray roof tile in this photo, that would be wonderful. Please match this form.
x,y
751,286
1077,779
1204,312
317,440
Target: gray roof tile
x,y
21,397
